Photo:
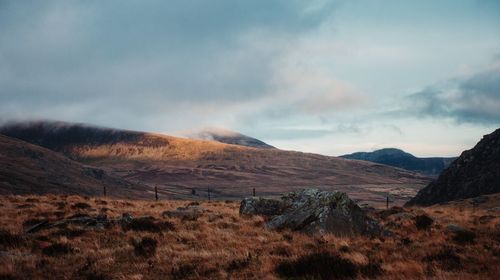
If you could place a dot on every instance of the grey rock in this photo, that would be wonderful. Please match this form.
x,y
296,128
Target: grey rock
x,y
261,206
315,211
454,228
126,218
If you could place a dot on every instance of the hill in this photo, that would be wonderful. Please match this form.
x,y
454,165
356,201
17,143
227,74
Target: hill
x,y
30,169
395,157
475,172
181,167
228,137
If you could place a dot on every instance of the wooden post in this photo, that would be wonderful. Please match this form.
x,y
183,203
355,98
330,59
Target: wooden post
x,y
253,191
156,193
387,202
208,191
104,189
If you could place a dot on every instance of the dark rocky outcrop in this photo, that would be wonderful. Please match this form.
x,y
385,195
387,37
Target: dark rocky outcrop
x,y
476,172
314,211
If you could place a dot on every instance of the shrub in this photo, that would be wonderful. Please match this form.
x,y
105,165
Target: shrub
x,y
464,237
423,222
33,221
238,264
96,276
9,240
446,258
8,277
146,247
149,224
371,270
80,205
322,265
57,249
182,271
70,233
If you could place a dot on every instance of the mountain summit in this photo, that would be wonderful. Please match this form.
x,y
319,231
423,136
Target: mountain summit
x,y
475,172
228,137
398,158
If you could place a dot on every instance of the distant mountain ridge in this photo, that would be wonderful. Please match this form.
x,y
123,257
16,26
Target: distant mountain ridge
x,y
431,166
228,137
476,172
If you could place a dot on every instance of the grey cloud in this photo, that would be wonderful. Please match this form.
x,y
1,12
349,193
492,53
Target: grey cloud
x,y
129,61
472,100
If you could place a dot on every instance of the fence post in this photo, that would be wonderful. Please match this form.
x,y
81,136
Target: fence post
x,y
387,202
156,193
104,189
253,191
208,191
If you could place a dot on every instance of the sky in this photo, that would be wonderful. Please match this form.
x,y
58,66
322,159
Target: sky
x,y
329,77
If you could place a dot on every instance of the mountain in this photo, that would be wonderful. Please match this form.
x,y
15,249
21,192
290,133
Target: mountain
x,y
394,157
476,172
228,137
30,169
179,166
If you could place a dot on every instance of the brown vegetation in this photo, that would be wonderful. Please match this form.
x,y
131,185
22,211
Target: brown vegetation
x,y
221,244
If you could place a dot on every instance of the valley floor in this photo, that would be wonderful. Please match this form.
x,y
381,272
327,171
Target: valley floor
x,y
221,244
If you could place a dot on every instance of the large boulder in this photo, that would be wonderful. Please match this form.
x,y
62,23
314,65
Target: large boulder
x,y
261,206
315,211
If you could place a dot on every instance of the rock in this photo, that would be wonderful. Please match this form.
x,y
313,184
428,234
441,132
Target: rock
x,y
191,212
454,228
126,218
261,206
315,211
37,226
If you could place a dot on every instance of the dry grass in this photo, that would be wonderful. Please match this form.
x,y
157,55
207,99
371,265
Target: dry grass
x,y
221,244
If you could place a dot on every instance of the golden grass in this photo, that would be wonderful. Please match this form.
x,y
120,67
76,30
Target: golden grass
x,y
222,245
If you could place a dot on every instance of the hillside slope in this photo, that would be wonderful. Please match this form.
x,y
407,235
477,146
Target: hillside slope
x,y
395,157
30,169
179,165
475,172
228,137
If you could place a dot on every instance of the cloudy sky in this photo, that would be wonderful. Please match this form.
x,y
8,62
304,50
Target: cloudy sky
x,y
330,77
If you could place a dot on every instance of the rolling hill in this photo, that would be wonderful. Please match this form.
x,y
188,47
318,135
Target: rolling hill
x,y
431,166
182,166
30,169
